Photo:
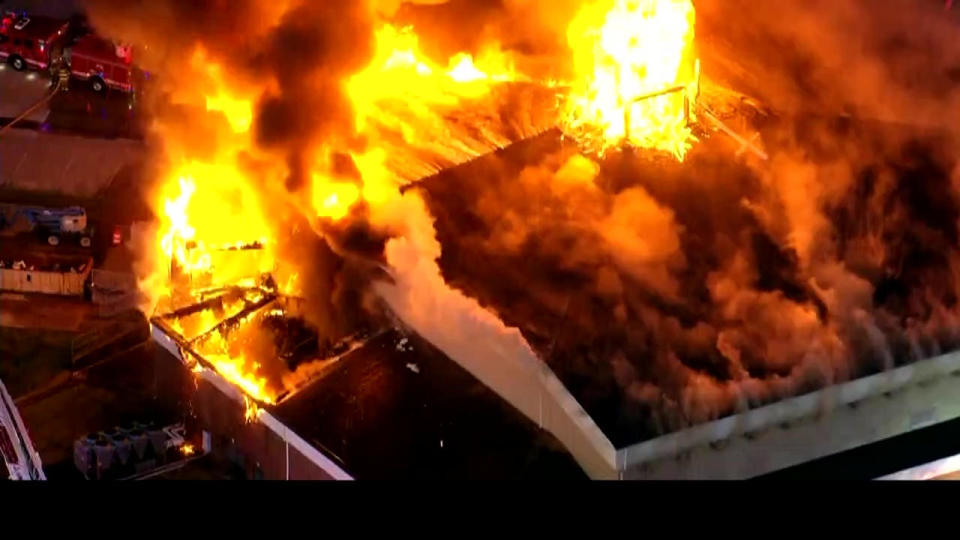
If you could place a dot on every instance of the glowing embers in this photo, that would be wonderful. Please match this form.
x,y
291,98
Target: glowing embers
x,y
636,75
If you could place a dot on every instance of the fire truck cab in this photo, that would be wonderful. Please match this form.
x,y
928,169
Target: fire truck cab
x,y
102,63
29,41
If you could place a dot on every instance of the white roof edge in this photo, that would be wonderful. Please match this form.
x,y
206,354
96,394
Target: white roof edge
x,y
587,444
580,416
308,450
787,410
165,341
927,471
264,417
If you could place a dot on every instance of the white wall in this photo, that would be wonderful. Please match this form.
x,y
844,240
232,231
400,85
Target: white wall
x,y
908,398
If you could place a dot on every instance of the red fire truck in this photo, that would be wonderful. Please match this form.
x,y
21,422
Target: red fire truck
x,y
102,63
28,41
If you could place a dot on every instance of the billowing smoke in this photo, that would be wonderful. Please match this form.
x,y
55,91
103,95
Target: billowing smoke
x,y
535,31
666,294
289,59
662,293
895,60
250,102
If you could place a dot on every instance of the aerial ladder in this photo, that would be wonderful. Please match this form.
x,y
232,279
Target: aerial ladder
x,y
19,455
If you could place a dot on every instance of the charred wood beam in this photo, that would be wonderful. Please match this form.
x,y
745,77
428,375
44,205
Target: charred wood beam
x,y
231,321
192,308
553,131
209,303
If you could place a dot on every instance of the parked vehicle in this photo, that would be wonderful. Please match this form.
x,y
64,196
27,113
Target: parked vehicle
x,y
102,63
54,224
30,42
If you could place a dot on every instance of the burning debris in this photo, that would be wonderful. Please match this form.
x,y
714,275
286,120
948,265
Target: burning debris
x,y
256,339
636,75
673,249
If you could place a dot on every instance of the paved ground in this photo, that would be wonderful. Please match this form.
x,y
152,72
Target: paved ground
x,y
31,358
142,384
76,144
20,90
44,312
204,468
78,110
118,201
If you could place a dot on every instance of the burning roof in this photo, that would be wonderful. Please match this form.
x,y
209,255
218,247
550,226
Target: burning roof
x,y
255,338
655,307
670,248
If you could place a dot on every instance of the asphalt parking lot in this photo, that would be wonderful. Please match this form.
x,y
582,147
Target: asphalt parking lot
x,y
20,90
78,110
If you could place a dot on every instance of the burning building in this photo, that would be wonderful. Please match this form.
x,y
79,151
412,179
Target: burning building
x,y
651,226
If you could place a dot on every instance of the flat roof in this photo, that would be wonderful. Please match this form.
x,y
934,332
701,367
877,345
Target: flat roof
x,y
397,408
529,291
525,288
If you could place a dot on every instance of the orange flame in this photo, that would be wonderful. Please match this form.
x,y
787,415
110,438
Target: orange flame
x,y
251,412
624,50
403,102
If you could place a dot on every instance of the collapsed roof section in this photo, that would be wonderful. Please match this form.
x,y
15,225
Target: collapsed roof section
x,y
389,405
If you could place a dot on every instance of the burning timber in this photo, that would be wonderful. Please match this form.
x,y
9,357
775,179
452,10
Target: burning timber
x,y
550,388
893,399
235,308
385,405
648,267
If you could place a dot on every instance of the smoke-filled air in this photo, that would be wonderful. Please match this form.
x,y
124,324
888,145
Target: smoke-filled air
x,y
685,208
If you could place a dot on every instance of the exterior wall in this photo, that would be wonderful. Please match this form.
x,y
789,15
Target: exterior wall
x,y
265,448
795,431
302,468
266,451
32,281
500,358
255,446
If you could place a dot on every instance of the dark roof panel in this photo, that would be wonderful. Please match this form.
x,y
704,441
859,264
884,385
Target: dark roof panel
x,y
398,408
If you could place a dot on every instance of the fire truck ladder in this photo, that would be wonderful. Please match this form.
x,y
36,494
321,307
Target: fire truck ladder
x,y
22,460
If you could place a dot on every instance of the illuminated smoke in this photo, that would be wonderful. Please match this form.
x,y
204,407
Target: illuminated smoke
x,y
662,293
